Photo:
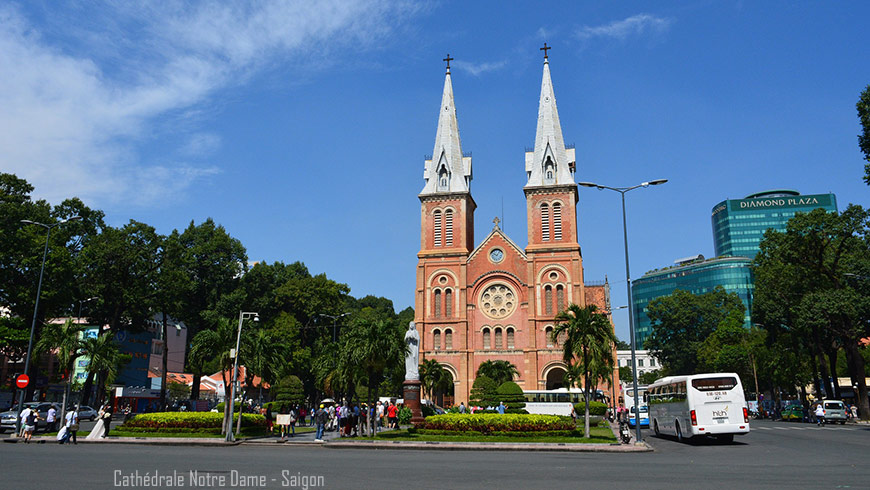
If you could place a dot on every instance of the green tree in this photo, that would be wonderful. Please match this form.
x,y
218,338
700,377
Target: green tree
x,y
832,252
105,361
650,377
512,396
588,344
622,345
66,339
682,321
371,347
484,392
625,374
434,378
498,371
289,390
863,107
216,344
178,391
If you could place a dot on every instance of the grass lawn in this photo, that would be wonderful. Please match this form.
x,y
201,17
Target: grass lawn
x,y
598,435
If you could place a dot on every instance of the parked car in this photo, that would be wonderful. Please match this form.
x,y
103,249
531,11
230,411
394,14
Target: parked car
x,y
8,419
793,412
86,412
835,411
644,416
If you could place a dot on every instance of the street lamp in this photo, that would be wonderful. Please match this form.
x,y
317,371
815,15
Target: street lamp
x,y
622,191
242,316
36,304
334,320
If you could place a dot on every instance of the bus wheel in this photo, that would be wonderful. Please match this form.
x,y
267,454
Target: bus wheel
x,y
679,432
656,428
725,438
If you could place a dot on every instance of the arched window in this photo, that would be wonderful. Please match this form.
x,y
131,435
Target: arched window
x,y
448,303
498,338
448,339
436,221
448,227
548,333
487,340
549,170
560,297
437,303
443,177
436,340
510,338
548,300
557,221
545,222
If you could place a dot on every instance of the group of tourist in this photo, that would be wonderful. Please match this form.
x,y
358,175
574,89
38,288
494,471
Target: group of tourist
x,y
30,418
349,419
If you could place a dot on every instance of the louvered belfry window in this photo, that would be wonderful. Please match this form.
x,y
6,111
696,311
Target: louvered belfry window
x,y
436,219
557,221
448,228
545,222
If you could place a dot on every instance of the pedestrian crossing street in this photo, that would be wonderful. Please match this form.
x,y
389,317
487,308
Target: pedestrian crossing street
x,y
807,427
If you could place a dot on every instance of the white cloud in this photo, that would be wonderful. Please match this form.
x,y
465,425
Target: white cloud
x,y
77,97
476,69
621,29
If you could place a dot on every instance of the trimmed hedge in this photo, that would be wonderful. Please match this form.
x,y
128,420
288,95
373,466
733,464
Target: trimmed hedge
x,y
489,423
517,434
512,396
220,407
595,408
188,420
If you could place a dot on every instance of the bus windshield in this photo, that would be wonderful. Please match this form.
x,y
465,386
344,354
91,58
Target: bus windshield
x,y
714,384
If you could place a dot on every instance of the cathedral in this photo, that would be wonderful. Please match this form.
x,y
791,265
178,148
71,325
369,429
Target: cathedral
x,y
493,300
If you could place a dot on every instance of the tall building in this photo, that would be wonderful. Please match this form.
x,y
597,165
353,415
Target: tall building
x,y
739,224
738,228
697,276
495,300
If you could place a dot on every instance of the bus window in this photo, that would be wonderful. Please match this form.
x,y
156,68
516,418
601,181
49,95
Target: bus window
x,y
714,384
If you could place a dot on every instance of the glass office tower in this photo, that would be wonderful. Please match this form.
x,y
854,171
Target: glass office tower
x,y
739,224
697,276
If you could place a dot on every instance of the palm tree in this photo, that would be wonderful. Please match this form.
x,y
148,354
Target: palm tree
x,y
105,360
372,346
66,338
588,345
216,344
434,377
498,371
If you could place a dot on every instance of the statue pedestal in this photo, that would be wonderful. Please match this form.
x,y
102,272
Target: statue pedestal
x,y
411,394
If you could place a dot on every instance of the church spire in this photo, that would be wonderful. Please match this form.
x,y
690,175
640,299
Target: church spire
x,y
448,170
550,163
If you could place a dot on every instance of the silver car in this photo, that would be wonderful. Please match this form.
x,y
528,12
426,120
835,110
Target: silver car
x,y
8,419
835,411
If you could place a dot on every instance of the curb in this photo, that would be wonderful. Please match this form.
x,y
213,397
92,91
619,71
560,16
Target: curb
x,y
150,441
494,446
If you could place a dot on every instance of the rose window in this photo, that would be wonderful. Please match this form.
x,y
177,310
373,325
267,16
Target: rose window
x,y
498,301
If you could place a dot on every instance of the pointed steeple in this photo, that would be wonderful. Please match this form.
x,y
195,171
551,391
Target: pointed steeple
x,y
448,170
550,163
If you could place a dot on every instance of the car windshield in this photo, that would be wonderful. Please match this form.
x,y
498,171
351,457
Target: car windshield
x,y
834,405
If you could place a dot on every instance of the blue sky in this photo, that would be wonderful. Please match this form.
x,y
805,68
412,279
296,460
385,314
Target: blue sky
x,y
302,126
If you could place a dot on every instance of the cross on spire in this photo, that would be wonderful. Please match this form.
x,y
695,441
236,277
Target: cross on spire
x,y
448,59
544,49
496,221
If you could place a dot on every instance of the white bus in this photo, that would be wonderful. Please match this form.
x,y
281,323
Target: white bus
x,y
697,405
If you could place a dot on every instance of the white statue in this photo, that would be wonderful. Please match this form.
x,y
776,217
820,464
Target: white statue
x,y
412,357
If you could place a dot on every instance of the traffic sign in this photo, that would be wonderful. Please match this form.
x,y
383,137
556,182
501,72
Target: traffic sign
x,y
22,381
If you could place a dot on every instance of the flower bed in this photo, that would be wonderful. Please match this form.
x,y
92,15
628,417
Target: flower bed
x,y
187,420
486,423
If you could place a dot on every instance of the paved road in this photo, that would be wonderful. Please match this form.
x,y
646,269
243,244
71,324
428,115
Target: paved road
x,y
773,455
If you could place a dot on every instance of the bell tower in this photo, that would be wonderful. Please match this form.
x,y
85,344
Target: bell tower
x,y
446,236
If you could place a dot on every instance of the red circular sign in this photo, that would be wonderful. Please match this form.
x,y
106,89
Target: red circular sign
x,y
22,381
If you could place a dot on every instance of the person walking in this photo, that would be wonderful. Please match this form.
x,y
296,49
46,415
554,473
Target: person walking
x,y
392,415
461,407
72,425
293,418
380,415
107,421
321,417
268,417
30,422
501,408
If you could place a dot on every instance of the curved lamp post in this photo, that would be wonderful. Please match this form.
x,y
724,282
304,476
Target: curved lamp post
x,y
334,322
36,304
242,316
622,191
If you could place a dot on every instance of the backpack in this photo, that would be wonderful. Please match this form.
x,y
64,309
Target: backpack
x,y
31,419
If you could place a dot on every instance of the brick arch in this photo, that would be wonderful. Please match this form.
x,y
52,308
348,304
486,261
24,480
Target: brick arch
x,y
430,281
547,268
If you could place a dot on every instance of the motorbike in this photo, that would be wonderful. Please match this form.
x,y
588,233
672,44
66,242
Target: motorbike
x,y
624,432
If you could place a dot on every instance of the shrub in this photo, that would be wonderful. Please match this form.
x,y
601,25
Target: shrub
x,y
280,406
512,395
595,408
405,415
188,420
484,392
490,423
289,389
220,407
428,410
